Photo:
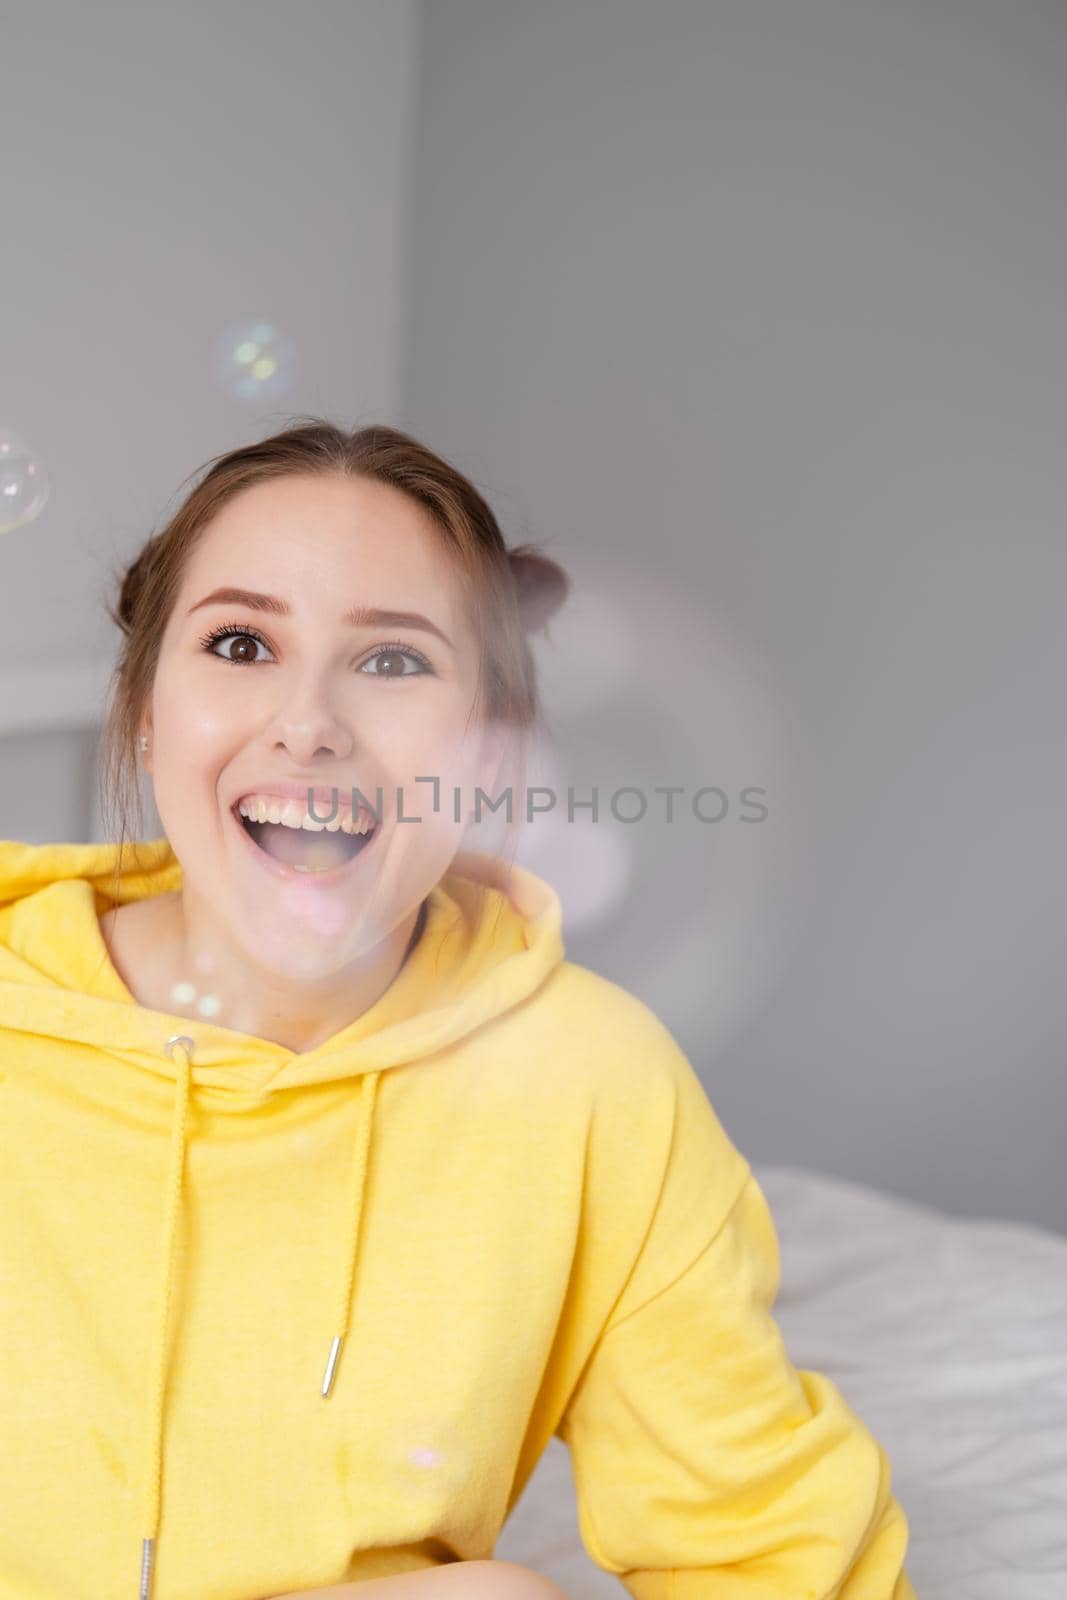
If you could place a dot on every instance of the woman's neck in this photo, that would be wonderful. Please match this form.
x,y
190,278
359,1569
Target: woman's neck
x,y
167,968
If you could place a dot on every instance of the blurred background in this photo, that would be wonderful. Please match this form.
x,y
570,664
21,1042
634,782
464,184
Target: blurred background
x,y
750,313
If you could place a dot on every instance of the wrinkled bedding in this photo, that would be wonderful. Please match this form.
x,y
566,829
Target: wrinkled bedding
x,y
948,1336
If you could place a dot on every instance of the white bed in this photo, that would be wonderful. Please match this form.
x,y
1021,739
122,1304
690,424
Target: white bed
x,y
949,1337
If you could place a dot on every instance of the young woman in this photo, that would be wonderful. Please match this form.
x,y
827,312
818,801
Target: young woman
x,y
331,1191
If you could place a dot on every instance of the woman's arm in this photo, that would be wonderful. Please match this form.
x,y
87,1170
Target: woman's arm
x,y
456,1580
707,1466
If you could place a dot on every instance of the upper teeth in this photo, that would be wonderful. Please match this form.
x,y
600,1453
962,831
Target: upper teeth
x,y
294,814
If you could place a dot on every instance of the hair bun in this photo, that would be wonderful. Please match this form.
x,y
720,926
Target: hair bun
x,y
541,586
130,589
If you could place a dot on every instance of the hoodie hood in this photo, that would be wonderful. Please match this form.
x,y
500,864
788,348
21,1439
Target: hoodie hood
x,y
491,938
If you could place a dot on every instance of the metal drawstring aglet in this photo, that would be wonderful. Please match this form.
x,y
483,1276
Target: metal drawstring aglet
x,y
335,1350
146,1568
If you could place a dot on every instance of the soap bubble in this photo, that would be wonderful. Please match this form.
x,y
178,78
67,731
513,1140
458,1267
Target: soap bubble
x,y
255,361
23,482
662,691
433,1454
591,864
185,996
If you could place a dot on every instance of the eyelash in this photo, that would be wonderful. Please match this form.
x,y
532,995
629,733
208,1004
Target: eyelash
x,y
394,646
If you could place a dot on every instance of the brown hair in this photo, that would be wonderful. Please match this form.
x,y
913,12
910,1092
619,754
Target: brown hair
x,y
509,593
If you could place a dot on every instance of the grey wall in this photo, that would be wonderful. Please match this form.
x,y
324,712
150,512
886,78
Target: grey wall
x,y
754,311
168,172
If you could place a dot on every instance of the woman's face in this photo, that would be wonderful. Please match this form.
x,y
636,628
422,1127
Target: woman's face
x,y
316,700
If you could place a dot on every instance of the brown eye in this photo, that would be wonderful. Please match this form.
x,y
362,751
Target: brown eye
x,y
389,662
246,644
243,650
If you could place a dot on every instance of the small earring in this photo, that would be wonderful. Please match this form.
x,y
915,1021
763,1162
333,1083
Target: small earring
x,y
142,742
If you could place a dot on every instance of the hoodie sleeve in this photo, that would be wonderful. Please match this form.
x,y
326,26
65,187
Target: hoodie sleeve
x,y
706,1466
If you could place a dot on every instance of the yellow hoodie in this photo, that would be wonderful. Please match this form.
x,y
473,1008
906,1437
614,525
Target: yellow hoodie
x,y
273,1321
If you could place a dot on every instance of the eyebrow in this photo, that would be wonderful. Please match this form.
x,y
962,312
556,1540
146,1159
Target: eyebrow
x,y
356,616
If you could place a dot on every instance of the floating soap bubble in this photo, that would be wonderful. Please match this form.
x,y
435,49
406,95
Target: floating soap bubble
x,y
590,864
23,482
255,361
432,1454
663,691
591,654
185,995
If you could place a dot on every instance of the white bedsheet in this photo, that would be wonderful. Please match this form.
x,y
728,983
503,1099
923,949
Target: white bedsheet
x,y
948,1336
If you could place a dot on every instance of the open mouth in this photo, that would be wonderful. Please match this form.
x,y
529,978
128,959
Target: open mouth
x,y
316,852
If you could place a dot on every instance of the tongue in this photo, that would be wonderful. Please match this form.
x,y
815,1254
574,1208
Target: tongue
x,y
303,847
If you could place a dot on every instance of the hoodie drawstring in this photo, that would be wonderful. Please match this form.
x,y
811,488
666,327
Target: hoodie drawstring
x,y
357,1188
181,1042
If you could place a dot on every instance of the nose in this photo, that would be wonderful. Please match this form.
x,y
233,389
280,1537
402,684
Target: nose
x,y
307,727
